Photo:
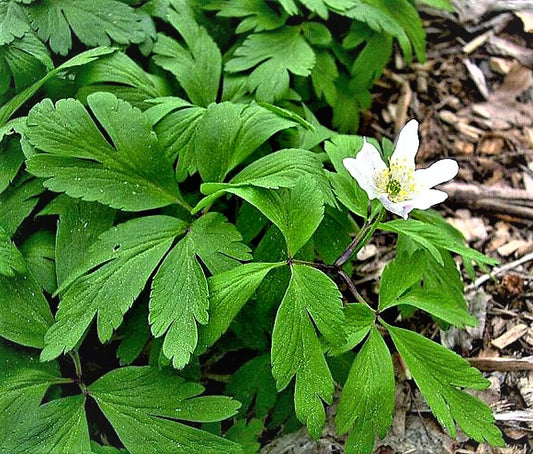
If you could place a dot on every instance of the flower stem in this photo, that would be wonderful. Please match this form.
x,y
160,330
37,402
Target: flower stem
x,y
362,237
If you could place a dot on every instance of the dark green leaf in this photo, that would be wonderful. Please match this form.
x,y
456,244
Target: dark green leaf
x,y
11,260
39,254
197,65
367,401
115,271
130,173
60,426
296,350
94,22
138,400
440,374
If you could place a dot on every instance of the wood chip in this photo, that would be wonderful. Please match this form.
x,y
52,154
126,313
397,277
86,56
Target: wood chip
x,y
500,65
512,335
510,247
501,46
478,77
527,19
502,364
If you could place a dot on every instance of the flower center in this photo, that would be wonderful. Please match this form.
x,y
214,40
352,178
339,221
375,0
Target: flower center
x,y
397,182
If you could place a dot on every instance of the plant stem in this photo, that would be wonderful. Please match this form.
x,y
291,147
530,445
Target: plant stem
x,y
362,237
77,363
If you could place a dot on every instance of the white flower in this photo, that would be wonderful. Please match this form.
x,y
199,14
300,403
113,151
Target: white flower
x,y
400,188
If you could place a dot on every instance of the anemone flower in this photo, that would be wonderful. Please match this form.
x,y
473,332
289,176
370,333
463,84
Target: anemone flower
x,y
400,188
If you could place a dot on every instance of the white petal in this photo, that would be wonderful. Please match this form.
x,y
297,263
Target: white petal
x,y
407,144
429,198
400,208
437,173
365,167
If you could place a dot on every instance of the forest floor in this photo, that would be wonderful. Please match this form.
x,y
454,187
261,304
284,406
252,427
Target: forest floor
x,y
474,100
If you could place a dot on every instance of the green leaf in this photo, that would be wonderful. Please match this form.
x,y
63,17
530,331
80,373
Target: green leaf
x,y
178,301
367,401
24,60
198,64
273,55
297,212
23,384
11,260
24,312
130,173
324,75
235,131
218,243
246,434
253,382
441,374
439,4
39,254
344,185
80,225
279,169
258,15
94,22
18,100
13,22
359,319
432,237
120,75
18,201
398,276
60,426
11,159
134,334
114,273
139,400
406,16
228,292
296,350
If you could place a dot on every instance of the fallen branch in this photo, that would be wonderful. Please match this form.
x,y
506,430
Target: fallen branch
x,y
510,201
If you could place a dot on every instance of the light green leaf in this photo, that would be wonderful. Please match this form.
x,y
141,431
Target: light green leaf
x,y
13,22
130,173
439,4
367,401
253,382
178,301
398,276
11,260
432,237
114,273
359,319
94,22
57,427
137,399
296,350
18,201
441,374
198,64
228,292
297,212
324,75
24,312
23,384
273,55
344,185
258,15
